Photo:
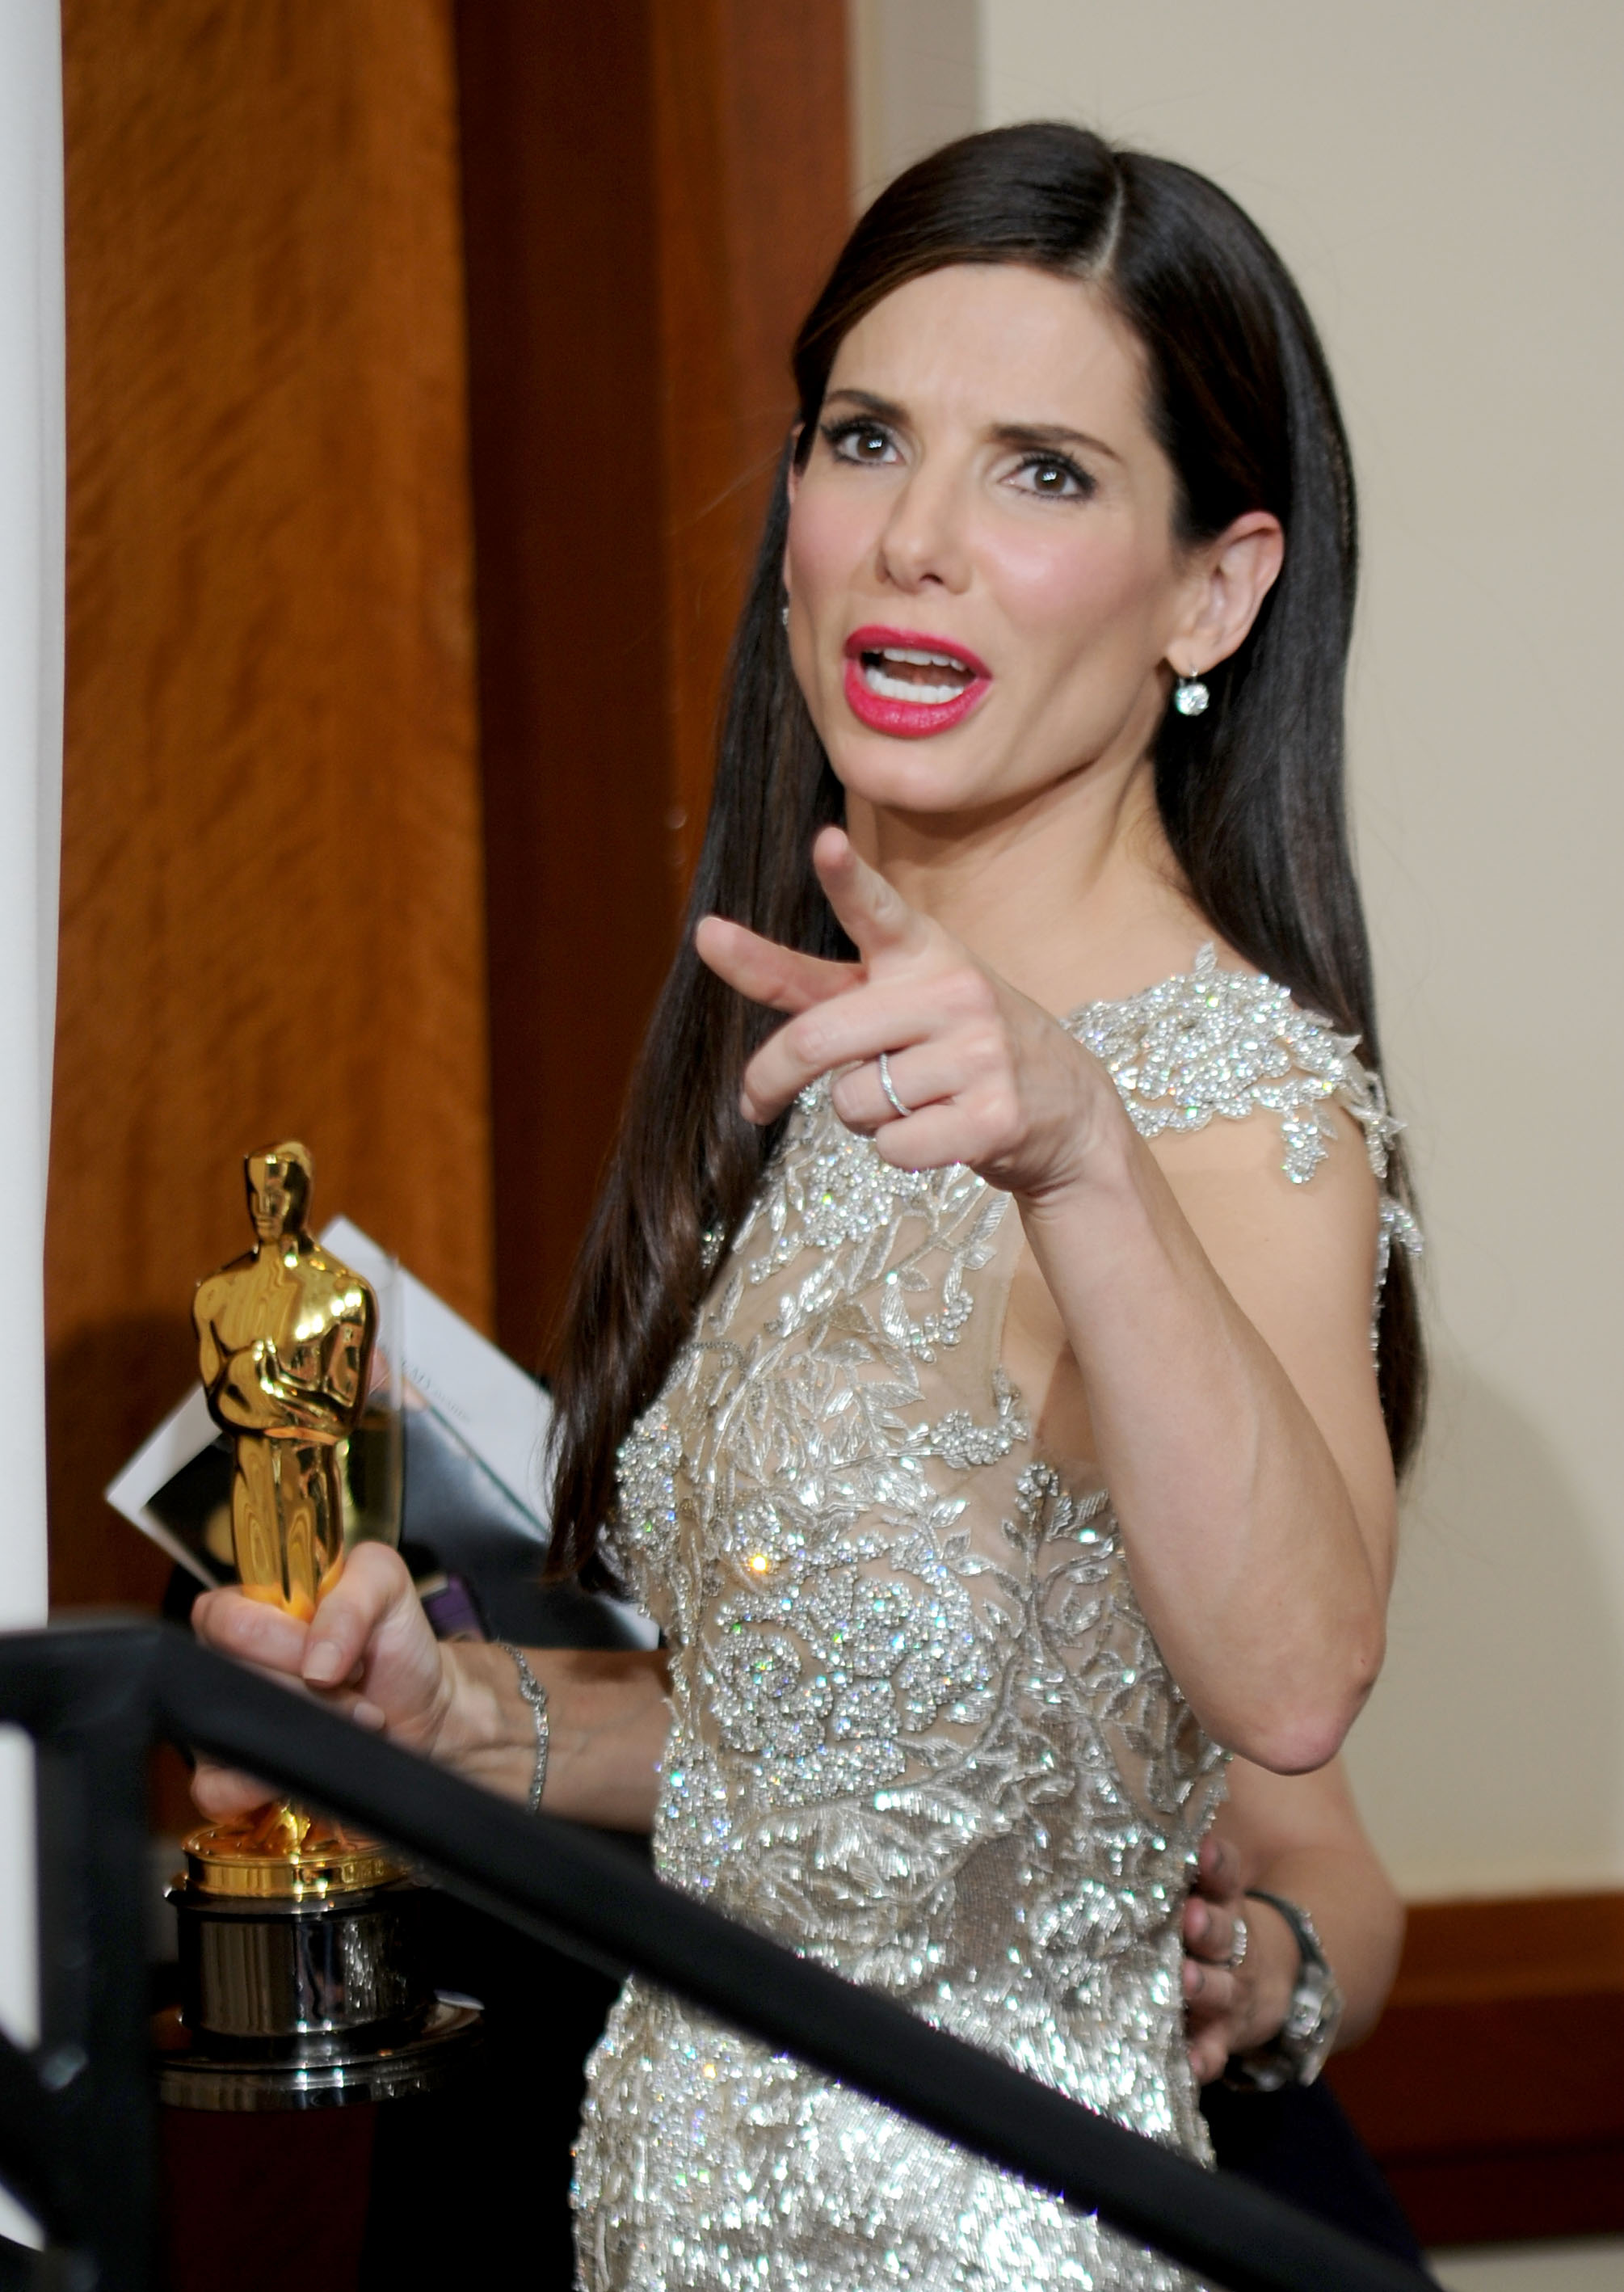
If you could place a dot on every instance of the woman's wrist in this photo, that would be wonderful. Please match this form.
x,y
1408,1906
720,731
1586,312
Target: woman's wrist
x,y
486,1731
607,1720
1095,1156
610,1717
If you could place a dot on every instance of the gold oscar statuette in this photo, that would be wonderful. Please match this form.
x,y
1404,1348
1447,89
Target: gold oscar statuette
x,y
284,1342
302,1972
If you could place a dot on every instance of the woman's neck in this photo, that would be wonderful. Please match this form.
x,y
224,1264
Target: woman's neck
x,y
1072,895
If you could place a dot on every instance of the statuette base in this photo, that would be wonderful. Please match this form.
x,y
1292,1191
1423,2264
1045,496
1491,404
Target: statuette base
x,y
304,1976
191,2079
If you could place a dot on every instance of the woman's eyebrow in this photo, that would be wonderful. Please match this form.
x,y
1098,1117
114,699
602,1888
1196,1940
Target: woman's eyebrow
x,y
885,410
1052,434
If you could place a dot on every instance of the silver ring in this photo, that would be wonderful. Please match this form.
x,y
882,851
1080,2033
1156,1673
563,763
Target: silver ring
x,y
889,1087
1237,1947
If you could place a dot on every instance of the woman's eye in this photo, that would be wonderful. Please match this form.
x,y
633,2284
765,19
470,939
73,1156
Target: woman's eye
x,y
1054,476
859,442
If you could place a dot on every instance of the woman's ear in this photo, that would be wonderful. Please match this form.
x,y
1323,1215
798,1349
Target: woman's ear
x,y
1237,570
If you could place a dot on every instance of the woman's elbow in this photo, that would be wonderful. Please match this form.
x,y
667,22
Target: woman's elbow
x,y
1300,1727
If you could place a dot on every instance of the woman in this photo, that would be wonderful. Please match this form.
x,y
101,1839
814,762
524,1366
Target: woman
x,y
973,1372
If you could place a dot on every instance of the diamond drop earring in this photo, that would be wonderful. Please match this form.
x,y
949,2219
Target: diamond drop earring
x,y
1190,695
784,612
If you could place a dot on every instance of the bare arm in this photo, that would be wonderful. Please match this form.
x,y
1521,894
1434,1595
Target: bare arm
x,y
607,1722
370,1654
1299,1836
1218,1318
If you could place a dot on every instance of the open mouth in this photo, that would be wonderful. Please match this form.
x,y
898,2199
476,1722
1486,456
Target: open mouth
x,y
909,672
901,682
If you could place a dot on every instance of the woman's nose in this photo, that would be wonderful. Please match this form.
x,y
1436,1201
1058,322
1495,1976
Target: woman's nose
x,y
924,541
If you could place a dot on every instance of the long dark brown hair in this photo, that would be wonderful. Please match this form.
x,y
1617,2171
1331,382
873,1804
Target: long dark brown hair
x,y
1250,794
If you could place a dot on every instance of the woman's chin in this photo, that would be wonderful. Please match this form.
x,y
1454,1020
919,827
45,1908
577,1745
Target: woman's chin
x,y
951,774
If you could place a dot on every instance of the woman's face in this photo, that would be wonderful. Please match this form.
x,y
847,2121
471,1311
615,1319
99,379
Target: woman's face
x,y
985,585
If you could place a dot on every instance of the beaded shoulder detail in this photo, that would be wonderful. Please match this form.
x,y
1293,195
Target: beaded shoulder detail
x,y
1231,1043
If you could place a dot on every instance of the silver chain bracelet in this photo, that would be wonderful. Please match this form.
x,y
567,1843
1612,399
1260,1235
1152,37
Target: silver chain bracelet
x,y
536,1695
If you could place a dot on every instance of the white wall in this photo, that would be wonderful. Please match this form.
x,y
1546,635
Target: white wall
x,y
31,516
915,83
1446,178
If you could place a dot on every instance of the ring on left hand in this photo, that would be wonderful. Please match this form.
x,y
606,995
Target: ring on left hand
x,y
889,1087
1237,1947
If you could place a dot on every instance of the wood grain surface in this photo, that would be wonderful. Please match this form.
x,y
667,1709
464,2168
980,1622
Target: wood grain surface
x,y
1490,2092
751,142
558,191
272,910
653,190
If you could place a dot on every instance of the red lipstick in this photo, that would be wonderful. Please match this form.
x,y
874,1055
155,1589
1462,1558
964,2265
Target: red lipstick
x,y
885,667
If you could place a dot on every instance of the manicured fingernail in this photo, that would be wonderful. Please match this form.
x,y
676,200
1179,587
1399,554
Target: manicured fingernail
x,y
370,1716
323,1663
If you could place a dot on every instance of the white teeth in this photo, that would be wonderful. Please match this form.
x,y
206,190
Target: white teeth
x,y
877,658
902,688
922,659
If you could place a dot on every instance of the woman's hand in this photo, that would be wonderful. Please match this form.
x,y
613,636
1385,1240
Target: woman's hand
x,y
369,1653
1230,2008
990,1079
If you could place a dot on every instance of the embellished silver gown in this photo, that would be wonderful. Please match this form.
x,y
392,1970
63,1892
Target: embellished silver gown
x,y
921,1732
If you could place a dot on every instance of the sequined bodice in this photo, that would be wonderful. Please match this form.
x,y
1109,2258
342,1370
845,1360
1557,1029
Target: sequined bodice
x,y
921,1731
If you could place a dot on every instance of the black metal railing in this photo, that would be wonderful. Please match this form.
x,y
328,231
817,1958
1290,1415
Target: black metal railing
x,y
76,2114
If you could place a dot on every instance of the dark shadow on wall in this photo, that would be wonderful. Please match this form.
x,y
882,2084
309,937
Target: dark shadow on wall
x,y
1492,1764
1495,1740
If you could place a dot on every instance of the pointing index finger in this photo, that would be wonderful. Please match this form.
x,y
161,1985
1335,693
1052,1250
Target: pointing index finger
x,y
780,977
877,919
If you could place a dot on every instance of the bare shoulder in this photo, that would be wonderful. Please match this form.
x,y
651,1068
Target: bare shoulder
x,y
1259,1223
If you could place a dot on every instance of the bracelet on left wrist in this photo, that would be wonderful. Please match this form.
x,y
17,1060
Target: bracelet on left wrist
x,y
536,1695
